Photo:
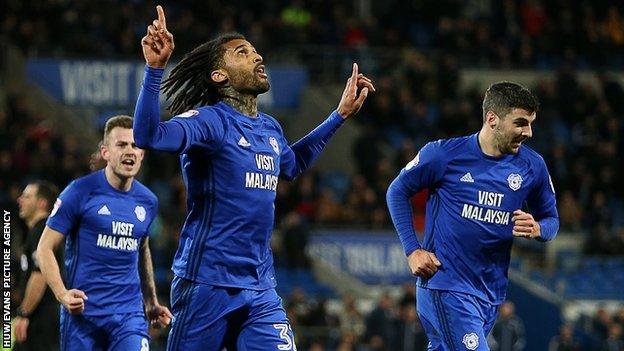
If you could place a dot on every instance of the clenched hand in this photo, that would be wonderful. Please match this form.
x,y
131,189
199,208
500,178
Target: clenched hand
x,y
423,263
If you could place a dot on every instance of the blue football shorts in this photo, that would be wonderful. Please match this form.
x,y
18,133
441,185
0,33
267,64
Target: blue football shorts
x,y
455,321
116,332
210,318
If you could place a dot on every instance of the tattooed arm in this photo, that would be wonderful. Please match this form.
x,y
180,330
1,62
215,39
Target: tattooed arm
x,y
157,315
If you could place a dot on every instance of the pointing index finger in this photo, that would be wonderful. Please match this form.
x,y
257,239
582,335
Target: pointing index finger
x,y
353,79
161,17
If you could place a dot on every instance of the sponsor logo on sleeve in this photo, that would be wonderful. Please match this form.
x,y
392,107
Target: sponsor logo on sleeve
x,y
189,113
57,205
413,163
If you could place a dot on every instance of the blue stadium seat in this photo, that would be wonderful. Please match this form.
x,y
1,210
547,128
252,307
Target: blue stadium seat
x,y
290,278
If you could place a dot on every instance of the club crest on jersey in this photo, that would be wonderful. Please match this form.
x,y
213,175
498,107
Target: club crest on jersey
x,y
471,341
274,145
515,181
189,113
139,211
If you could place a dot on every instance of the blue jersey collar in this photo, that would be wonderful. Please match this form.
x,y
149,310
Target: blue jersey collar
x,y
474,143
240,116
107,184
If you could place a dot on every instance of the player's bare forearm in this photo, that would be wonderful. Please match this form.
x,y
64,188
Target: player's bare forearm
x,y
35,288
49,241
146,270
158,315
51,272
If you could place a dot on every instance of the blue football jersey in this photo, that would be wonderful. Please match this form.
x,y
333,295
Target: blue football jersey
x,y
103,229
472,197
230,165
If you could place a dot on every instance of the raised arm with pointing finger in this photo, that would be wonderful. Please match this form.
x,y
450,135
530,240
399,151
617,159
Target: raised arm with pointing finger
x,y
232,156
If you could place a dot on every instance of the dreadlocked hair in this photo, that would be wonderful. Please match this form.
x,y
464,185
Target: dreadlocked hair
x,y
189,82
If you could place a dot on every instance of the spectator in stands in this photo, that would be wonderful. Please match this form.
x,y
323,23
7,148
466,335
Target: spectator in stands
x,y
319,316
601,323
348,342
565,341
96,162
570,213
298,304
316,346
508,331
597,242
351,320
329,209
295,239
617,244
619,316
614,340
409,333
380,324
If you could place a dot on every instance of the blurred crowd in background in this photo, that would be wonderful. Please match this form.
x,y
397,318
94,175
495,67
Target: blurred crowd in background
x,y
508,33
415,51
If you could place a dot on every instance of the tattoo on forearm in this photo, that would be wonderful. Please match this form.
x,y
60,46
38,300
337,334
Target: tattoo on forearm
x,y
146,270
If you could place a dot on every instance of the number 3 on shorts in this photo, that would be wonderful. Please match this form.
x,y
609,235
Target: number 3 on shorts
x,y
289,344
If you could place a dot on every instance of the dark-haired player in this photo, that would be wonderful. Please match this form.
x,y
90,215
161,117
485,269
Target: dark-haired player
x,y
478,187
223,293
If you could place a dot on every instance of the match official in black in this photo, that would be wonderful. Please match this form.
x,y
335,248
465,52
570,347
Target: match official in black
x,y
37,323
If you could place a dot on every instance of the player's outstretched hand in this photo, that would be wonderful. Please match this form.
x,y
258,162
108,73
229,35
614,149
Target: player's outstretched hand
x,y
351,102
158,42
525,226
158,315
73,300
423,263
